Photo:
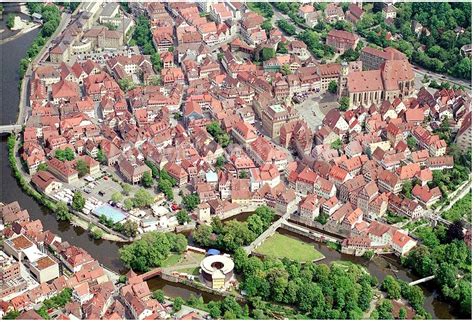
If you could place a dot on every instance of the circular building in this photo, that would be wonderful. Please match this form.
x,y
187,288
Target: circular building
x,y
217,270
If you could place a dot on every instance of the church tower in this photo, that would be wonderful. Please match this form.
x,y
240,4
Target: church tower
x,y
342,88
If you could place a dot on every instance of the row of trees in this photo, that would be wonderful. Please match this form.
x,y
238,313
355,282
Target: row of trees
x,y
151,250
51,19
287,27
129,228
234,234
142,37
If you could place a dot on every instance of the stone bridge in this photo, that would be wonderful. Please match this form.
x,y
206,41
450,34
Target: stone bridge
x,y
4,129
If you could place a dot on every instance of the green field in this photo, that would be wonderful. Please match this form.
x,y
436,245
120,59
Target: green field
x,y
281,246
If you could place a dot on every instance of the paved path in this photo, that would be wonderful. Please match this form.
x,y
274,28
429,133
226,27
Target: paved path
x,y
267,233
179,267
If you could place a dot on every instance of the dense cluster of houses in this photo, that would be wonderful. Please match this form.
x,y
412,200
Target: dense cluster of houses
x,y
81,106
356,184
37,265
344,176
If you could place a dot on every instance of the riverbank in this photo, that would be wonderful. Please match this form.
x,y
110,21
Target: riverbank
x,y
24,180
85,225
19,34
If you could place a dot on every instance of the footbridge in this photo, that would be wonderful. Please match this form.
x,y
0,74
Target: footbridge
x,y
422,280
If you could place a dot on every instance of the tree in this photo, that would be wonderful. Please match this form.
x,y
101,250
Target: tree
x,y
392,287
282,48
285,69
59,154
165,186
384,310
411,142
82,168
267,26
243,174
156,62
266,214
128,204
147,179
191,201
287,27
11,315
126,84
332,87
446,275
101,156
178,304
255,224
407,187
142,198
203,236
402,314
116,197
462,69
183,217
336,144
267,53
78,201
130,228
126,188
159,295
96,233
455,231
10,21
344,103
219,162
151,250
218,134
69,154
43,167
234,235
62,211
322,218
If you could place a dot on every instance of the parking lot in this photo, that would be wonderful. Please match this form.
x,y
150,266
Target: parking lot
x,y
102,189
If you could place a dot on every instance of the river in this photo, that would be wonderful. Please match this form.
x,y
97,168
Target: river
x,y
106,251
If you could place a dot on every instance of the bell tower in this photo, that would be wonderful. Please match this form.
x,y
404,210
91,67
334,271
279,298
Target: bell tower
x,y
342,88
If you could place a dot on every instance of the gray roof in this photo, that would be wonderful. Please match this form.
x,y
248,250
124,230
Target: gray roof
x,y
109,9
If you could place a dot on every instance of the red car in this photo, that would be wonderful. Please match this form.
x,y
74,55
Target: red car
x,y
175,207
106,178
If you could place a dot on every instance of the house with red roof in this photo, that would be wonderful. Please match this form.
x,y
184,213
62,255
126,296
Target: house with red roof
x,y
425,195
341,40
64,92
401,243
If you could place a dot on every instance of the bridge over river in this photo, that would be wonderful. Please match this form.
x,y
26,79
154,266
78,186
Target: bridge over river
x,y
4,129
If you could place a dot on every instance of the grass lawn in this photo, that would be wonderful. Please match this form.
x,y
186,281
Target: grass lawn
x,y
191,271
172,260
281,246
